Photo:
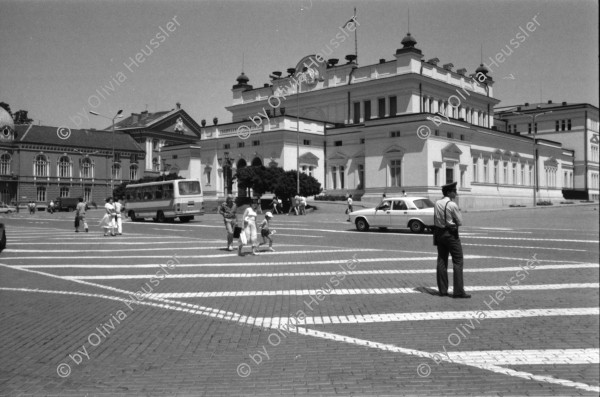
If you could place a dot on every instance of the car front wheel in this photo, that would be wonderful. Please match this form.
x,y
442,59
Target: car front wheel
x,y
416,227
362,225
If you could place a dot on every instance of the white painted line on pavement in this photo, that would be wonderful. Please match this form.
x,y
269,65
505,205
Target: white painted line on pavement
x,y
315,274
363,291
109,250
431,316
529,357
525,247
191,256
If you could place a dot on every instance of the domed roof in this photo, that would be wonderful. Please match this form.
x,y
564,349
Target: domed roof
x,y
482,69
242,79
6,120
408,41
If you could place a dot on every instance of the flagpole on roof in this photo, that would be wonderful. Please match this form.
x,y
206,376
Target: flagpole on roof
x,y
355,37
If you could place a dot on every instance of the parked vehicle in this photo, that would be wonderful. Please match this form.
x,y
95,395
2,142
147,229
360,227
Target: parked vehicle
x,y
66,204
414,213
7,209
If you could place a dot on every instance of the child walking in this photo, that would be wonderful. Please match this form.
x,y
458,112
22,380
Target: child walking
x,y
265,232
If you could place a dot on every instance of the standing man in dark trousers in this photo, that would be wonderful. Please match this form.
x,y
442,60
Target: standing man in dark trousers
x,y
228,209
447,218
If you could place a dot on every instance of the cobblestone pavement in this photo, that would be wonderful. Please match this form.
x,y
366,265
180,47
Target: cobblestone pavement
x,y
164,309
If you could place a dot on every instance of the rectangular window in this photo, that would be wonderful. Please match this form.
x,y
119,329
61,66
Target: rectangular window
x,y
117,157
462,178
495,180
334,177
87,194
436,177
227,146
395,173
505,173
64,192
569,124
475,170
522,181
393,106
362,140
41,194
436,132
356,113
342,180
450,135
241,144
514,174
394,134
255,143
381,108
361,177
530,176
367,110
557,126
306,142
535,126
486,174
529,128
337,143
562,125
462,137
449,175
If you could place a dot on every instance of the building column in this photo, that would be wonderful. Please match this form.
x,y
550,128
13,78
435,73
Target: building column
x,y
148,154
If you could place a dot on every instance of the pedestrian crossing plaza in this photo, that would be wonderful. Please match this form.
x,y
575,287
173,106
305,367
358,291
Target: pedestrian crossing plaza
x,y
165,309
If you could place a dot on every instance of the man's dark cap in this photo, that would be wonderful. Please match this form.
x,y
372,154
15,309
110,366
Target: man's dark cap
x,y
449,187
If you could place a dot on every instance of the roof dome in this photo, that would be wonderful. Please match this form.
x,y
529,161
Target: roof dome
x,y
408,41
6,119
482,69
242,79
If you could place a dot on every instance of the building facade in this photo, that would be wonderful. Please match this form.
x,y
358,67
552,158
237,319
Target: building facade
x,y
41,163
575,126
401,124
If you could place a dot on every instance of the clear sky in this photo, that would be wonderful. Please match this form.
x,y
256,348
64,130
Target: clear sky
x,y
56,55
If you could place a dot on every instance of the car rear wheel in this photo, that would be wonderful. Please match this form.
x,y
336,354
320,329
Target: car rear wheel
x,y
362,225
416,227
132,216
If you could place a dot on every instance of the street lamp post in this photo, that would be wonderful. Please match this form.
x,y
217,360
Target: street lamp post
x,y
118,115
535,165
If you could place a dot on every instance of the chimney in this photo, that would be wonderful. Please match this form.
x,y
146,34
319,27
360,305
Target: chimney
x,y
549,102
448,66
382,60
178,105
564,104
526,103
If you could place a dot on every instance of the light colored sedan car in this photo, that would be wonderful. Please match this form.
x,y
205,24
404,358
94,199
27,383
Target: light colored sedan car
x,y
7,209
414,213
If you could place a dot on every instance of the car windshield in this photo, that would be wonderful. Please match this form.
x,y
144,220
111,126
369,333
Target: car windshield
x,y
423,203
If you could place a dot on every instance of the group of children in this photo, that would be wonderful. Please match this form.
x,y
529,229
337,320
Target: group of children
x,y
249,233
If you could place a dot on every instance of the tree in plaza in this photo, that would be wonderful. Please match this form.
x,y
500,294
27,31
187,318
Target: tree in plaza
x,y
274,179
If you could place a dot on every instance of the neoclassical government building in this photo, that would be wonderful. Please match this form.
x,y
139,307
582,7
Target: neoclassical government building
x,y
404,123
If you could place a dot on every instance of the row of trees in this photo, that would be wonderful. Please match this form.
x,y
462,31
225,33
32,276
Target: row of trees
x,y
276,180
260,179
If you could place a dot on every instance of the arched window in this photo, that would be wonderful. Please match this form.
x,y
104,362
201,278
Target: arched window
x,y
133,172
5,160
40,166
64,167
116,171
87,168
256,162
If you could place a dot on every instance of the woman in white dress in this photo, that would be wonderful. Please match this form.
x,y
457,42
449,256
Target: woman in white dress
x,y
249,234
108,221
